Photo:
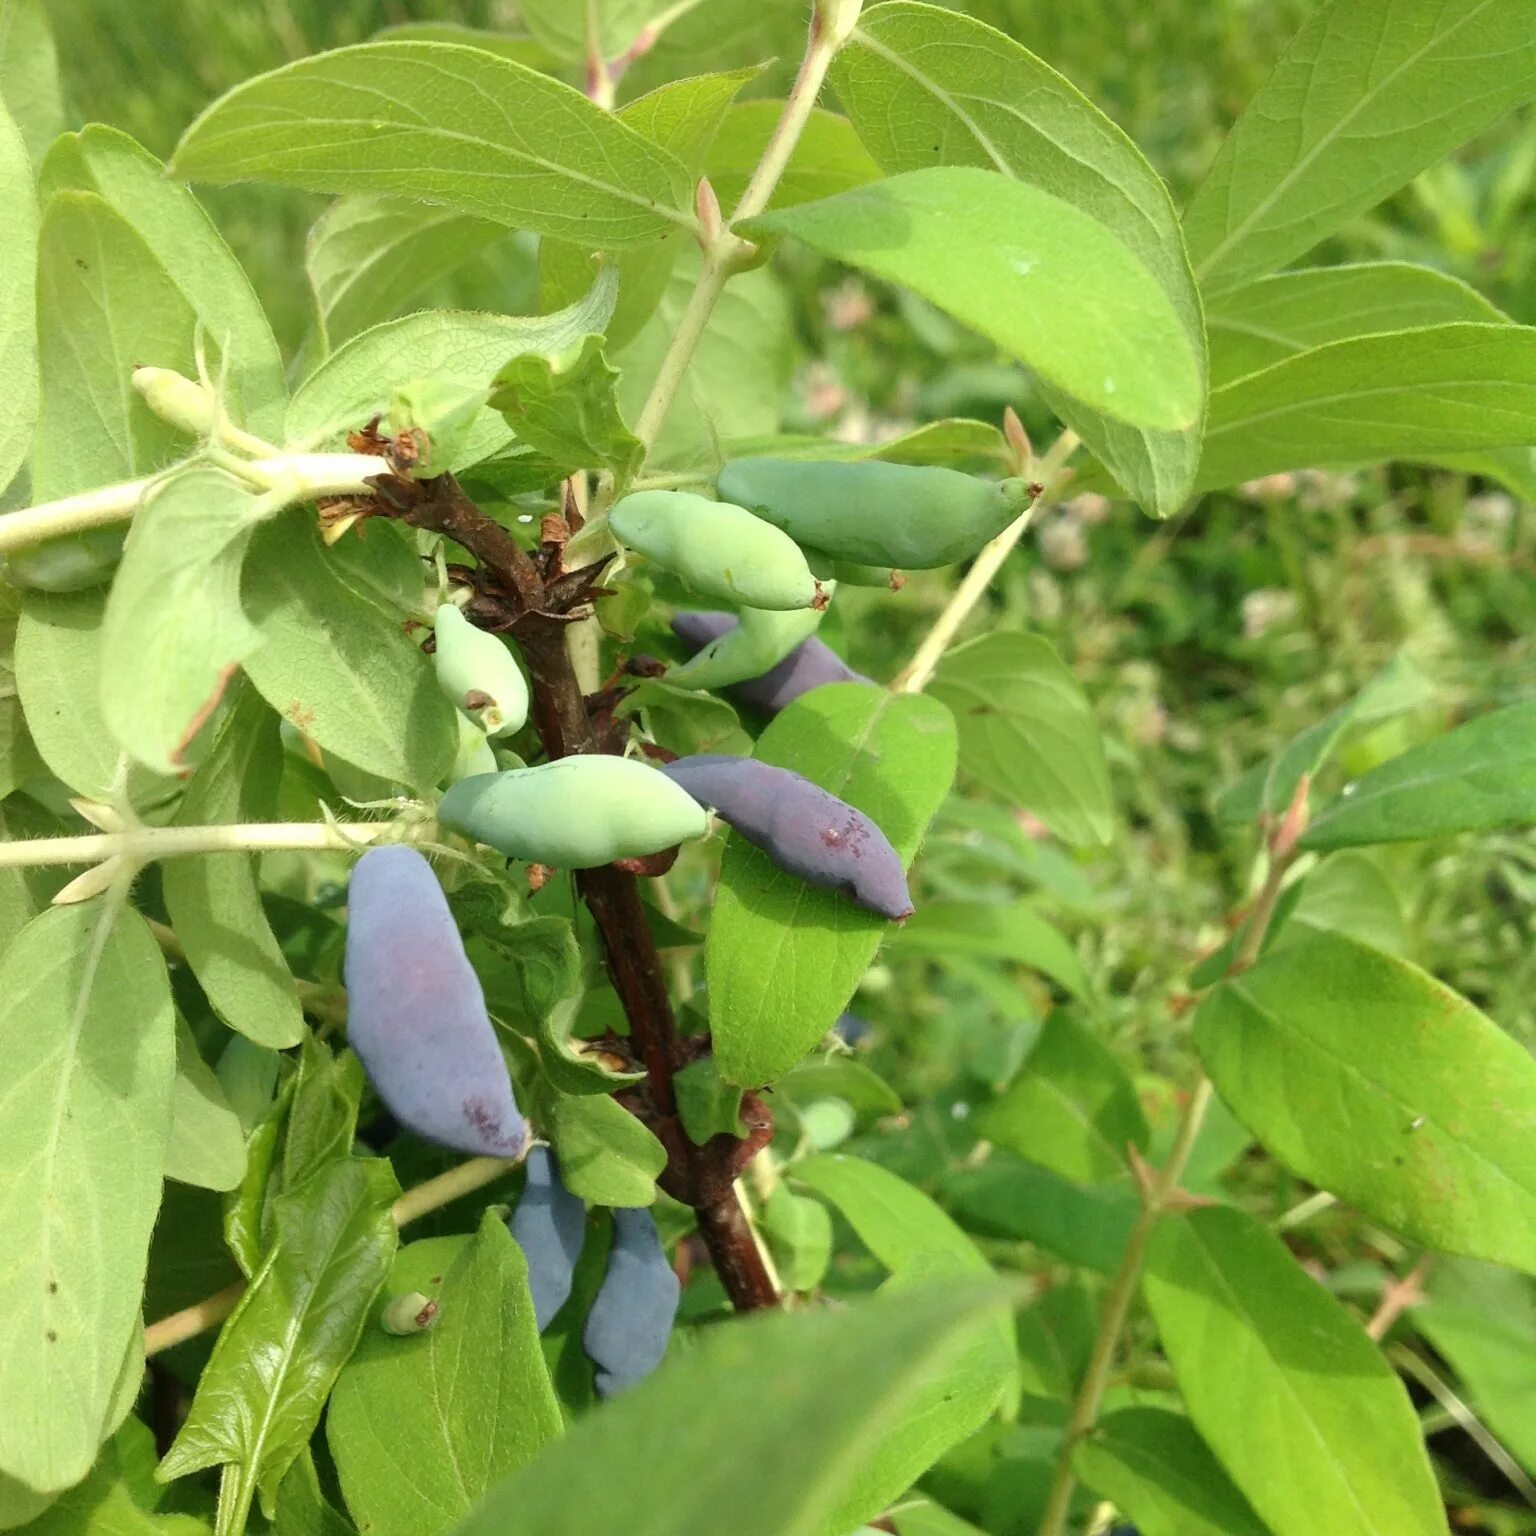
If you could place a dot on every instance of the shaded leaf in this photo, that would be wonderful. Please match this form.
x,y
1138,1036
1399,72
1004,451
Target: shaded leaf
x,y
207,1141
18,269
1028,732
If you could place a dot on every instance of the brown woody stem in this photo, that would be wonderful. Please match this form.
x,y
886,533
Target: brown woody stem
x,y
703,1176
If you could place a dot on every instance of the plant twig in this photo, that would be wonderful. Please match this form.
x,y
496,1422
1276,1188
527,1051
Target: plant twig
x,y
294,476
702,1176
726,252
141,845
413,1204
918,672
1160,1190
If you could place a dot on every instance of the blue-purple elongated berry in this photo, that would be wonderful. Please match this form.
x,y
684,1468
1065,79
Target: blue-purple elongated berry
x,y
811,664
549,1225
631,1319
415,1012
802,828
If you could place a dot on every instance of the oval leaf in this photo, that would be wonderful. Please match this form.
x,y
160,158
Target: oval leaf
x,y
1050,284
89,1040
457,126
1284,1385
1369,1078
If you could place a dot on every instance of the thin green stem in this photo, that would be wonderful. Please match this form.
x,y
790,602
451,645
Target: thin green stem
x,y
727,251
291,477
143,844
1156,1201
917,673
1160,1190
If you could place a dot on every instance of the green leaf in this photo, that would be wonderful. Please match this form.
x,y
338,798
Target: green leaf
x,y
1048,283
174,630
924,1519
604,28
451,347
1055,1337
244,358
1276,317
734,385
1072,1108
799,1232
322,1115
566,410
1160,1472
58,666
518,46
29,75
685,720
1014,931
1019,1201
18,307
839,1077
1483,1321
899,1224
828,157
1367,95
682,116
1351,894
606,1156
107,1504
707,1105
105,305
337,667
925,86
1028,732
783,957
1371,1079
213,899
1478,777
830,1392
422,1427
277,1357
557,164
368,257
1268,788
88,1037
207,1141
1284,1385
1402,395
302,1509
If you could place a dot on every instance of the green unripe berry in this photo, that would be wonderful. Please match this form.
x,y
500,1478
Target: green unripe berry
x,y
825,568
181,402
716,548
479,674
908,516
758,643
575,813
474,755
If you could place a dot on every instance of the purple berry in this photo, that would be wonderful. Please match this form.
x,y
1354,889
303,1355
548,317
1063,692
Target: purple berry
x,y
631,1319
549,1225
809,665
802,828
415,1012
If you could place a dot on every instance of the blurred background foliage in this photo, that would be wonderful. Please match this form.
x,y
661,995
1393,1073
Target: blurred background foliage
x,y
1206,642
